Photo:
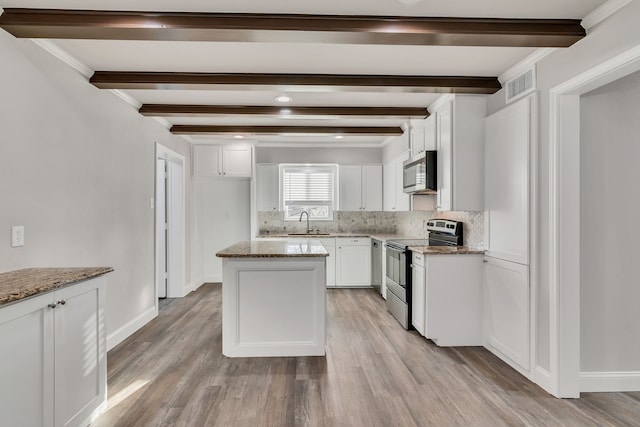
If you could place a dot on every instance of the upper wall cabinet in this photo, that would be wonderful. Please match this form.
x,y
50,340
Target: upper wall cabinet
x,y
460,144
423,135
267,187
394,197
361,188
223,161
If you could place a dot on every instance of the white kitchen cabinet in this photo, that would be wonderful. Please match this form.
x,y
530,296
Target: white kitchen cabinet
x,y
423,135
507,182
418,292
460,146
267,185
361,188
417,137
329,244
394,197
223,161
54,357
353,261
506,311
453,299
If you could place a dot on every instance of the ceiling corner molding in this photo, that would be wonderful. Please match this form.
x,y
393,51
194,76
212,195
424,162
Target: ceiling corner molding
x,y
165,123
603,12
387,140
64,56
127,98
440,102
525,64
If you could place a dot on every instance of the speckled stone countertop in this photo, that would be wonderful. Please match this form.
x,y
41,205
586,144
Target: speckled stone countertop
x,y
447,250
276,249
28,282
383,237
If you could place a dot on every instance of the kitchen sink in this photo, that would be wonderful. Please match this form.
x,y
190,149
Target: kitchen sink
x,y
308,234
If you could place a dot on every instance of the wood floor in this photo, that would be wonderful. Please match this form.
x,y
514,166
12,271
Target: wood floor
x,y
172,372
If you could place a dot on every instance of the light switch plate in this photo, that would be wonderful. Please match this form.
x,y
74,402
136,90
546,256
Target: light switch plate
x,y
17,236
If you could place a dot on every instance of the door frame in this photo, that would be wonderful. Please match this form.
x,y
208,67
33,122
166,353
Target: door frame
x,y
164,153
564,217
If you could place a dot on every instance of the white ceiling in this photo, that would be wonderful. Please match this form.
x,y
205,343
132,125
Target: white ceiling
x,y
235,57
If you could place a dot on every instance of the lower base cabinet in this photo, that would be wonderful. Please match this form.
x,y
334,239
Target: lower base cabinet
x,y
447,298
329,244
53,348
353,261
506,311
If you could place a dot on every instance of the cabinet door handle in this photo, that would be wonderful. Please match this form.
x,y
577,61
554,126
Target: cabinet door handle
x,y
62,302
52,305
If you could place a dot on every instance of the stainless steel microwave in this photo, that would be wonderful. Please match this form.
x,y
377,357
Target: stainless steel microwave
x,y
420,175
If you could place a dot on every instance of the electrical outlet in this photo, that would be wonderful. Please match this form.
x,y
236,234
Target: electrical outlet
x,y
17,236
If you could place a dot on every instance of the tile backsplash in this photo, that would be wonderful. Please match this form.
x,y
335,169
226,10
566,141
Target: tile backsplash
x,y
412,223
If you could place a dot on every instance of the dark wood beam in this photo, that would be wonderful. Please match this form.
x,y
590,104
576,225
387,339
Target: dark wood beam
x,y
280,130
295,82
252,27
181,110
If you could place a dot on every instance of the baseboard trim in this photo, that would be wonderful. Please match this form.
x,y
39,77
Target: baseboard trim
x,y
194,285
543,379
129,328
609,381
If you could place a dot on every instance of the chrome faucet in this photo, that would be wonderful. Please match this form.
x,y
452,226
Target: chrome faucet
x,y
309,230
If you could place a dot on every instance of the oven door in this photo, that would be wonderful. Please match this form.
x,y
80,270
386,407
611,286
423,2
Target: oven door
x,y
396,279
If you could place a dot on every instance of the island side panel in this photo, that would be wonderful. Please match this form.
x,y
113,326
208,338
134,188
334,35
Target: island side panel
x,y
273,307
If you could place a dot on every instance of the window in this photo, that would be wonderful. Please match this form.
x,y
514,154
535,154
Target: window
x,y
310,188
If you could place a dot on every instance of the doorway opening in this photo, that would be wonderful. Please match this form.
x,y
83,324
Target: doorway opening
x,y
564,224
169,224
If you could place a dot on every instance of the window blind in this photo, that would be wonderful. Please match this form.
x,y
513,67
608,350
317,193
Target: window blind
x,y
310,188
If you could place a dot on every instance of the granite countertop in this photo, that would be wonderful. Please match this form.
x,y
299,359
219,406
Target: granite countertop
x,y
277,249
383,237
28,282
447,250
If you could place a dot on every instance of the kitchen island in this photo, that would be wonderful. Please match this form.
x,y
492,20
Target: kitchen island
x,y
274,298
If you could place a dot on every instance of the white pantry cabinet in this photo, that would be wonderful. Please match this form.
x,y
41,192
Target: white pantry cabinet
x,y
394,197
506,311
460,145
508,136
361,188
223,161
267,184
53,350
353,261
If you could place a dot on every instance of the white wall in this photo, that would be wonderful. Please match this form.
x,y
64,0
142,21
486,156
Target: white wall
x,y
608,39
609,177
346,155
222,217
77,170
395,147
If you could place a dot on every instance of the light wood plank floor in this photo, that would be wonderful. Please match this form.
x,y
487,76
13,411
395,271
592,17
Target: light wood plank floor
x,y
172,372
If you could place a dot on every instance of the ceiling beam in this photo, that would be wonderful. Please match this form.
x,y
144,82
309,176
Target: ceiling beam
x,y
255,27
181,110
295,82
281,130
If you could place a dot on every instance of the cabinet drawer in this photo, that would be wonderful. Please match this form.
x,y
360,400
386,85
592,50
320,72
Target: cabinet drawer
x,y
353,241
417,259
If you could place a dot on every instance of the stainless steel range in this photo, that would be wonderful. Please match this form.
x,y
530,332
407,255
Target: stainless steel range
x,y
398,281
